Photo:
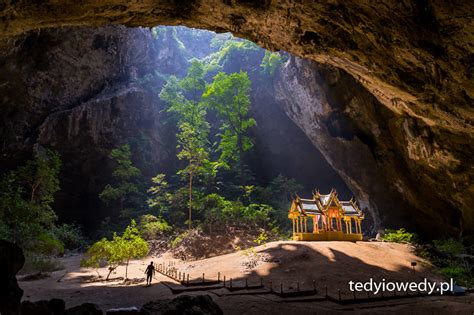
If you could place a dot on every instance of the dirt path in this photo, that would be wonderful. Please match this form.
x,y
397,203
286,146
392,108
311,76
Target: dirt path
x,y
329,264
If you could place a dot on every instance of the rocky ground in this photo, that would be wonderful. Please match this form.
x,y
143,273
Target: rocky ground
x,y
330,264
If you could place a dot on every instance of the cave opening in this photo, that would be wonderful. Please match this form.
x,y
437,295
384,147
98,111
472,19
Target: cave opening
x,y
105,85
370,99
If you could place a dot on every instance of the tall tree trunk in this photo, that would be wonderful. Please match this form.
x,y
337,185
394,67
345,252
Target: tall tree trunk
x,y
241,162
190,198
126,269
110,271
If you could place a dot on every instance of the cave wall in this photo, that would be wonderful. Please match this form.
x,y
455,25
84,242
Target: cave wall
x,y
415,57
84,91
81,91
365,143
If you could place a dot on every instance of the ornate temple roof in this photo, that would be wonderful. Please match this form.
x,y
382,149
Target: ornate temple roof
x,y
320,203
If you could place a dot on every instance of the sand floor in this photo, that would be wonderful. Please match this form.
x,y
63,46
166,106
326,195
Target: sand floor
x,y
288,264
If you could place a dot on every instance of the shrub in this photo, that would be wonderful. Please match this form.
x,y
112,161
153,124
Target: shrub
x,y
399,236
48,244
70,235
178,239
150,226
459,272
118,251
35,262
450,246
261,239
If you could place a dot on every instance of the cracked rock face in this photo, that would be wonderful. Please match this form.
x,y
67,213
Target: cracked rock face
x,y
377,152
414,59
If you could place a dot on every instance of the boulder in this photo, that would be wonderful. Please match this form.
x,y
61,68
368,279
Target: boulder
x,y
10,293
185,304
85,309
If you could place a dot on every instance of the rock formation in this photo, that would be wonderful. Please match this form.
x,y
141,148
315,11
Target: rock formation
x,y
413,58
11,262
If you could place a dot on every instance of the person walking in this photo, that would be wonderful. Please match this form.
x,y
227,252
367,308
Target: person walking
x,y
150,272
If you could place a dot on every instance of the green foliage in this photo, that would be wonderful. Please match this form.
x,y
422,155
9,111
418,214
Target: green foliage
x,y
160,196
399,236
35,262
184,99
262,238
124,185
460,274
48,244
117,251
229,96
26,197
179,238
271,62
450,246
70,235
151,227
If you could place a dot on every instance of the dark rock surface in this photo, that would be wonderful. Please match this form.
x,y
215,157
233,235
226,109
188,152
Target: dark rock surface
x,y
51,307
392,163
12,260
414,57
85,309
73,97
184,304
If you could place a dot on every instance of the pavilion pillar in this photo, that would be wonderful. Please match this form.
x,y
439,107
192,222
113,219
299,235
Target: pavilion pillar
x,y
357,226
297,223
350,225
306,224
360,227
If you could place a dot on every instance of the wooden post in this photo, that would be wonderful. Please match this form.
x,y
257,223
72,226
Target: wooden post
x,y
224,281
203,277
219,276
188,278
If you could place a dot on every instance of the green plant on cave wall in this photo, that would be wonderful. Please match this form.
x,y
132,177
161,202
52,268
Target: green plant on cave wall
x,y
271,62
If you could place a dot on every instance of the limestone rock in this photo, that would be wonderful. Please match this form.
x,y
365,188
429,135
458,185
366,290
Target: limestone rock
x,y
12,260
185,304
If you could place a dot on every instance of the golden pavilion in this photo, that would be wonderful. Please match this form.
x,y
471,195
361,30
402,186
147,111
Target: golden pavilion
x,y
330,219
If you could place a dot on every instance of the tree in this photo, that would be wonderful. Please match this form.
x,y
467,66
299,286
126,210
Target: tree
x,y
159,193
26,197
117,251
271,62
229,96
124,176
184,99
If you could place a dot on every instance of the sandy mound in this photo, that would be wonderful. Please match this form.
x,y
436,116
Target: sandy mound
x,y
194,245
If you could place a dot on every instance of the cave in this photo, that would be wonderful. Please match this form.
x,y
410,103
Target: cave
x,y
372,99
